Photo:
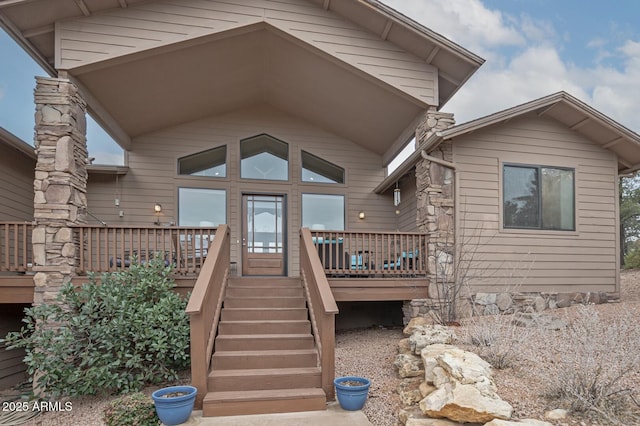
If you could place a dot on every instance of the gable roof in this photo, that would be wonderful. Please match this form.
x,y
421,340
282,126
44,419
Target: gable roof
x,y
11,140
31,23
562,107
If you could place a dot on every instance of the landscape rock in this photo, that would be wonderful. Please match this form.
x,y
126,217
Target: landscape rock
x,y
430,422
431,335
426,389
485,298
404,346
429,355
407,413
557,414
415,324
548,322
464,403
409,365
409,391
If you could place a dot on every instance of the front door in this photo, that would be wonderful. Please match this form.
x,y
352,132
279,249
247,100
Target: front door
x,y
263,234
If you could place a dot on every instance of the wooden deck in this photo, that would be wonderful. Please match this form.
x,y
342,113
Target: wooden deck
x,y
359,266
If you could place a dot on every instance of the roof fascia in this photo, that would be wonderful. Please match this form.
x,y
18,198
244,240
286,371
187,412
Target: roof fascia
x,y
16,143
22,41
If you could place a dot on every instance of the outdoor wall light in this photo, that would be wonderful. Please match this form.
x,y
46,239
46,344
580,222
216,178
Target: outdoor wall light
x,y
361,215
158,209
396,196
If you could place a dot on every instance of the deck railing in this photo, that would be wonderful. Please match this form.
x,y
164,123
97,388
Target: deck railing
x,y
16,252
377,254
109,248
322,309
205,305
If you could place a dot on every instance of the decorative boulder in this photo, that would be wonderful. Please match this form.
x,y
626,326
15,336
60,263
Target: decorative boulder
x,y
464,403
408,365
432,335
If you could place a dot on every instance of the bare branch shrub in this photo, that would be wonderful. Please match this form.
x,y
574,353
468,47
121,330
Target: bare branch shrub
x,y
497,339
591,364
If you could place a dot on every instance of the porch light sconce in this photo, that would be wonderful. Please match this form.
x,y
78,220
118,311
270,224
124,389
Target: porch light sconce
x,y
158,209
361,215
396,196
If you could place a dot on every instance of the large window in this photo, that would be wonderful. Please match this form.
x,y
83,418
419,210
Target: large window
x,y
264,157
322,211
201,207
210,163
317,170
538,197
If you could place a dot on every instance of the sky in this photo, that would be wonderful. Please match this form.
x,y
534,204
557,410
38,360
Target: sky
x,y
532,48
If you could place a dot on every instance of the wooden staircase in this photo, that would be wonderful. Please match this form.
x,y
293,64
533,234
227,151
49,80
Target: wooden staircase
x,y
265,360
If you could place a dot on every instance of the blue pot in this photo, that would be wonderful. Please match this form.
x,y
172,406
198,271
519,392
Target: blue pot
x,y
174,410
352,398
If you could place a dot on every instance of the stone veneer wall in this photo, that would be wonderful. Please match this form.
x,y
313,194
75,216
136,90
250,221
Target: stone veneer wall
x,y
435,210
60,184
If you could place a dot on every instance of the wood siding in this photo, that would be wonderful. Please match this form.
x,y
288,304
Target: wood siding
x,y
119,32
408,205
16,185
153,177
12,370
537,260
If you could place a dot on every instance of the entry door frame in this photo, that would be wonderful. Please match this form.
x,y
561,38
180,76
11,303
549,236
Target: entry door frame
x,y
265,263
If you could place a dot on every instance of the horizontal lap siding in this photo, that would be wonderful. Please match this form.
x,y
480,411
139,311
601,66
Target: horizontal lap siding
x,y
119,32
585,260
16,185
152,177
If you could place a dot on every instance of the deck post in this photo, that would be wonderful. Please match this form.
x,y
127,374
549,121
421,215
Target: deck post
x,y
60,184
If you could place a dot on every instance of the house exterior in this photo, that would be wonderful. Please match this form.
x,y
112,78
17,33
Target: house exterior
x,y
269,124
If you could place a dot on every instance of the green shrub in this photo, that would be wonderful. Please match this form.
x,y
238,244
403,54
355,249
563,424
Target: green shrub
x,y
632,258
135,409
113,337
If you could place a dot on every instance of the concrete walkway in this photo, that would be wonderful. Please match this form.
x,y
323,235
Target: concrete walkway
x,y
332,416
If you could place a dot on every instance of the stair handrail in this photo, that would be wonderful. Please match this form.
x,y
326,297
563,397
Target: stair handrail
x,y
208,291
322,309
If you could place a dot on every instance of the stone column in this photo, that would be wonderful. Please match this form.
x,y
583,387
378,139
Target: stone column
x,y
435,210
60,184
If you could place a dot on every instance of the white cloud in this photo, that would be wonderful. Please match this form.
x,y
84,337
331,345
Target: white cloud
x,y
524,61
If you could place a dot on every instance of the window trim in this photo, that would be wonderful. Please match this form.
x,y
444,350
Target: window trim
x,y
539,228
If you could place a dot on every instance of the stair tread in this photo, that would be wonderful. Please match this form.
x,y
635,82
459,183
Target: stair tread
x,y
264,371
265,309
266,352
271,394
264,297
263,321
265,336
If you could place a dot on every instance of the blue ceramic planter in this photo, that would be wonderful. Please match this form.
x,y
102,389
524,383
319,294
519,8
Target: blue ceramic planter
x,y
174,410
352,398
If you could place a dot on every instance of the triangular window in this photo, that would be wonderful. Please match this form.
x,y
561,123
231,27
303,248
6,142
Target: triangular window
x,y
264,157
210,163
317,170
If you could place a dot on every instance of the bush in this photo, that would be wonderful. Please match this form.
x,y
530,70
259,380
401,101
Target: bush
x,y
113,337
135,409
497,338
632,258
594,361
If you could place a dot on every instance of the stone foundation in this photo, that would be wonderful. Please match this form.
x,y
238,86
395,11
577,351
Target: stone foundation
x,y
481,304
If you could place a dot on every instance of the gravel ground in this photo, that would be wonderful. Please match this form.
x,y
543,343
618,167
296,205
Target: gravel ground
x,y
370,353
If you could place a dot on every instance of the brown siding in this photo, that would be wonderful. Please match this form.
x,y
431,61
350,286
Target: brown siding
x,y
152,177
407,207
551,261
12,369
16,185
119,32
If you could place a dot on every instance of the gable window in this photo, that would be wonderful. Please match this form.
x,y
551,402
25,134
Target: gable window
x,y
539,197
201,207
210,163
317,170
264,157
323,211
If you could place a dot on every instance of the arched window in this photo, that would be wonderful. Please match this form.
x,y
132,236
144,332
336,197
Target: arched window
x,y
264,157
210,163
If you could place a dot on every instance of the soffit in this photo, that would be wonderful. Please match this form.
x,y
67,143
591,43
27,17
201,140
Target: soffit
x,y
184,84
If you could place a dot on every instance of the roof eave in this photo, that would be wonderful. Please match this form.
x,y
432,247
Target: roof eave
x,y
16,143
